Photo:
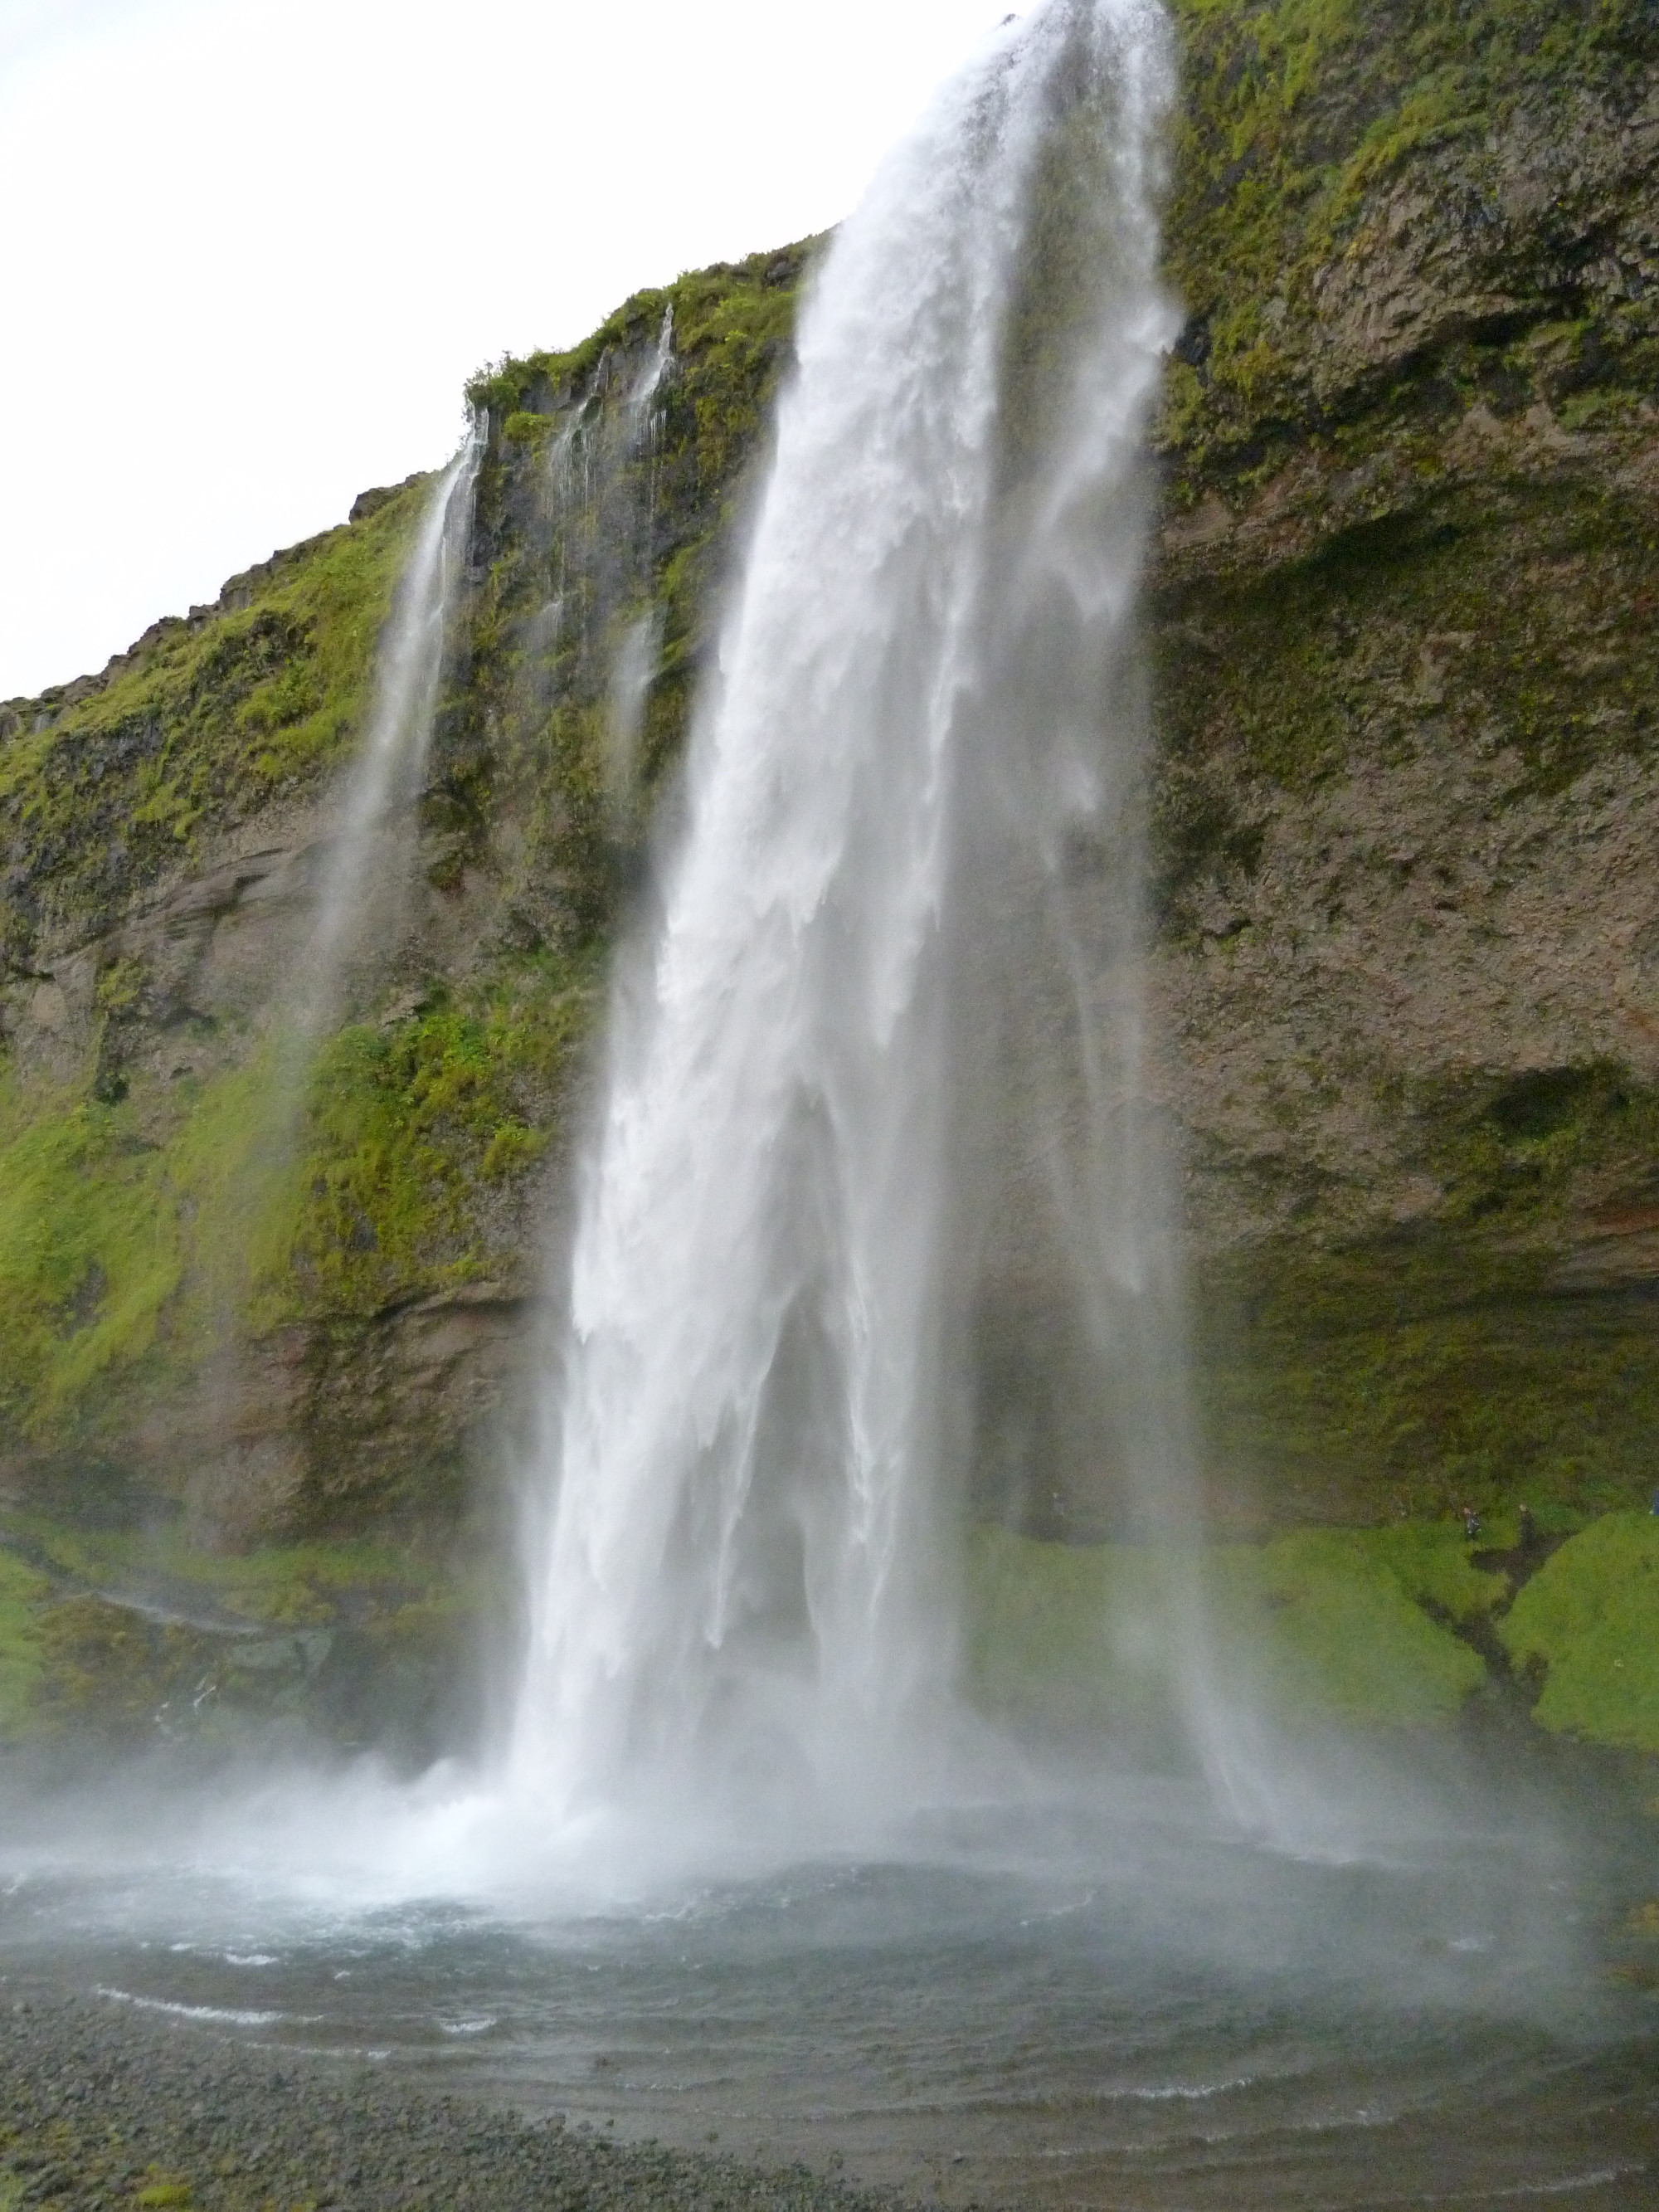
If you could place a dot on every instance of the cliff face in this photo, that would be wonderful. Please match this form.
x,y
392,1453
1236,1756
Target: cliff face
x,y
283,1332
1407,964
1406,795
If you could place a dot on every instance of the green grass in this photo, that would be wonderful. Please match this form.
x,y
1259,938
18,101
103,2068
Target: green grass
x,y
211,719
165,2193
119,1252
21,1661
1428,1560
1590,1619
122,1254
89,1256
1325,1623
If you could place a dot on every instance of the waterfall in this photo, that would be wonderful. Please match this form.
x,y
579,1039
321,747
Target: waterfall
x,y
365,871
873,1114
599,511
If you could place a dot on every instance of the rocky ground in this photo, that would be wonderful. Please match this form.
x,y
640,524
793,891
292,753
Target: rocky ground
x,y
101,2108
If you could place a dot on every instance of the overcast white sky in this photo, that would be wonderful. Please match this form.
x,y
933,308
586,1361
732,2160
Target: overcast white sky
x,y
250,250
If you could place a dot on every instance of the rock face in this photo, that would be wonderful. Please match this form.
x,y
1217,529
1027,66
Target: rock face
x,y
1405,793
1405,954
283,1286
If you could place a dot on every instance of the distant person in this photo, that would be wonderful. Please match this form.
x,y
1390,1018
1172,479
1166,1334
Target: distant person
x,y
1471,1523
1528,1528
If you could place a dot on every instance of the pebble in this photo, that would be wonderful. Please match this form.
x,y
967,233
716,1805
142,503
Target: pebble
x,y
104,2108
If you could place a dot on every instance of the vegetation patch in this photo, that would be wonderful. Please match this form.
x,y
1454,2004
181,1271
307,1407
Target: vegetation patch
x,y
120,1251
132,1637
409,1131
1295,116
22,1660
88,1258
1590,1621
1330,1623
1410,1375
206,719
1327,1624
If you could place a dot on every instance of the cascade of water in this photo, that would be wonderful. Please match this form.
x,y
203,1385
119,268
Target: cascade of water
x,y
876,1082
599,515
363,882
650,378
633,666
363,886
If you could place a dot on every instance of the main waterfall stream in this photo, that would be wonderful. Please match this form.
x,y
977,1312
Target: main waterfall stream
x,y
880,1058
875,1242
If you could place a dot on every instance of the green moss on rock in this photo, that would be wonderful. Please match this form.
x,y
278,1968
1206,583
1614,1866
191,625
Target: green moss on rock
x,y
1298,118
120,1250
109,782
134,1638
411,1132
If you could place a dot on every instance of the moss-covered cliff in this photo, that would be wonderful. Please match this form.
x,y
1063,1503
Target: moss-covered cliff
x,y
292,1342
1406,795
231,1316
1406,960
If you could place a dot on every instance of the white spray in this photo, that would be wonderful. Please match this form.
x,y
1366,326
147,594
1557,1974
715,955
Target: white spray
x,y
913,848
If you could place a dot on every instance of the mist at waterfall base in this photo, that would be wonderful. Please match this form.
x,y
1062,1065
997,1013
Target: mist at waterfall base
x,y
875,1239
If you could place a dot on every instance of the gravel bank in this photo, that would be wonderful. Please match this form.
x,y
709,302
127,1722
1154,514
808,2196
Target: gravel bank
x,y
99,2107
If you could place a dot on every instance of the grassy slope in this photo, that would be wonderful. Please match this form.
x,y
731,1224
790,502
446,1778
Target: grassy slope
x,y
206,721
1328,1624
1589,1621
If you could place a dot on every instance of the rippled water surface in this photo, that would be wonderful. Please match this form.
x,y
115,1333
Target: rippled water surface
x,y
1123,2007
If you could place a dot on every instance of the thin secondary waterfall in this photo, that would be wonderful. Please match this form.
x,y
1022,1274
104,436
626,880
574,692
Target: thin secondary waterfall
x,y
599,515
362,887
872,1110
363,882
